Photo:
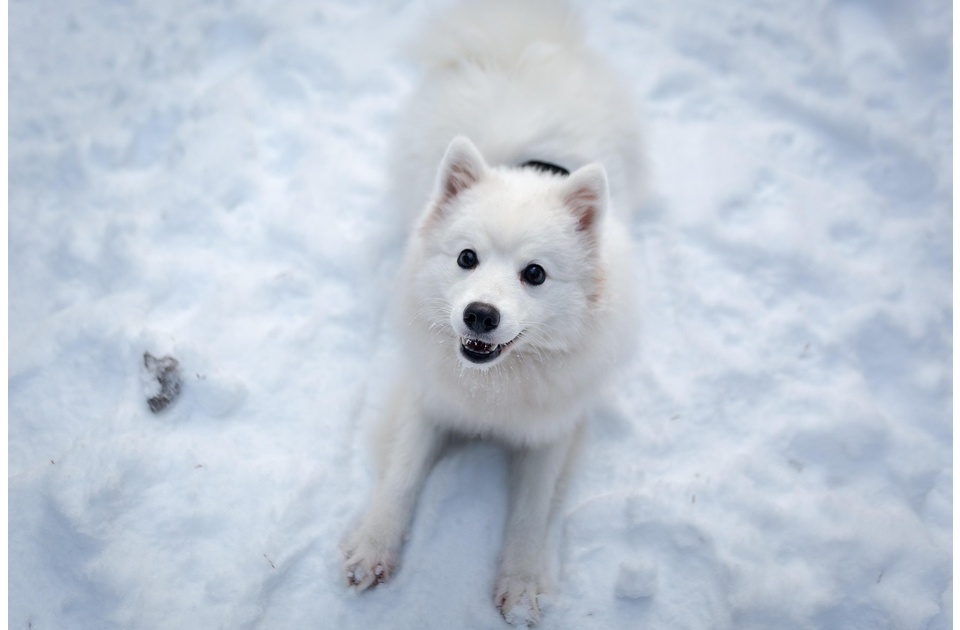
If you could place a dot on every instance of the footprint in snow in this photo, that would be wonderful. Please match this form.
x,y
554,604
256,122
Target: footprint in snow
x,y
631,550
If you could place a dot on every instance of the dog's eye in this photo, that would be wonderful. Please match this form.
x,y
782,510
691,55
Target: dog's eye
x,y
467,259
534,274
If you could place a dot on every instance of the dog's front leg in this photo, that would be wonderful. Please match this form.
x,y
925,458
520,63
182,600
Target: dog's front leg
x,y
372,550
535,473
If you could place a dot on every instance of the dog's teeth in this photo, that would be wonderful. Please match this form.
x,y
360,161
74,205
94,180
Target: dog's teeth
x,y
475,345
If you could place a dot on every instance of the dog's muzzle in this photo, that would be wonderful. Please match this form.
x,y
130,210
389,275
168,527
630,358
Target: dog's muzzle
x,y
481,320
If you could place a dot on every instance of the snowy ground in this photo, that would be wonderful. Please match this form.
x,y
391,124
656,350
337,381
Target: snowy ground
x,y
206,180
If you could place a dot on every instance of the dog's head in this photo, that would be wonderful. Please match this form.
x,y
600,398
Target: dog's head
x,y
508,258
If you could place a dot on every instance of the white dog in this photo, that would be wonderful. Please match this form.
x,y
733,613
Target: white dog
x,y
516,292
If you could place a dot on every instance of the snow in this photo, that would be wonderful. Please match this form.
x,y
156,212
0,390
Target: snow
x,y
636,579
206,181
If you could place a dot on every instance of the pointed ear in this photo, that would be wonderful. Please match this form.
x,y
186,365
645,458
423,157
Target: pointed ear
x,y
585,195
462,167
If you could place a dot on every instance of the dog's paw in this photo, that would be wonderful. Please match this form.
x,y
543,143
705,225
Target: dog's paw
x,y
367,564
517,600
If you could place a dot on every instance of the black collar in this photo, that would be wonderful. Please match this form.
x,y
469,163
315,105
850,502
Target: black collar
x,y
547,167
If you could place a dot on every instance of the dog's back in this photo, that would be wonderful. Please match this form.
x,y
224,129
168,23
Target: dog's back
x,y
517,79
494,32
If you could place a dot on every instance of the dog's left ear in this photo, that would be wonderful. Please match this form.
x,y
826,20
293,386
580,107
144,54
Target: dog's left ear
x,y
585,194
462,167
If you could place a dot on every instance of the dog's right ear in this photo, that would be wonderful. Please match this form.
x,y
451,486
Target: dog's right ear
x,y
462,167
586,195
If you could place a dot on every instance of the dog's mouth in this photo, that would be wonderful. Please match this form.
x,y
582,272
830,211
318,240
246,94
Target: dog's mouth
x,y
478,351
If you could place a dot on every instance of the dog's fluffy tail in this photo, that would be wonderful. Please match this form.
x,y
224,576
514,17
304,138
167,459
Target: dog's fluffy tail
x,y
494,32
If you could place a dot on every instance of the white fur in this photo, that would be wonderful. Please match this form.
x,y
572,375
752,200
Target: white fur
x,y
517,94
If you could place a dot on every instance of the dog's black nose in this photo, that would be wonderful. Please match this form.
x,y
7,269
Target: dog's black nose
x,y
480,317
